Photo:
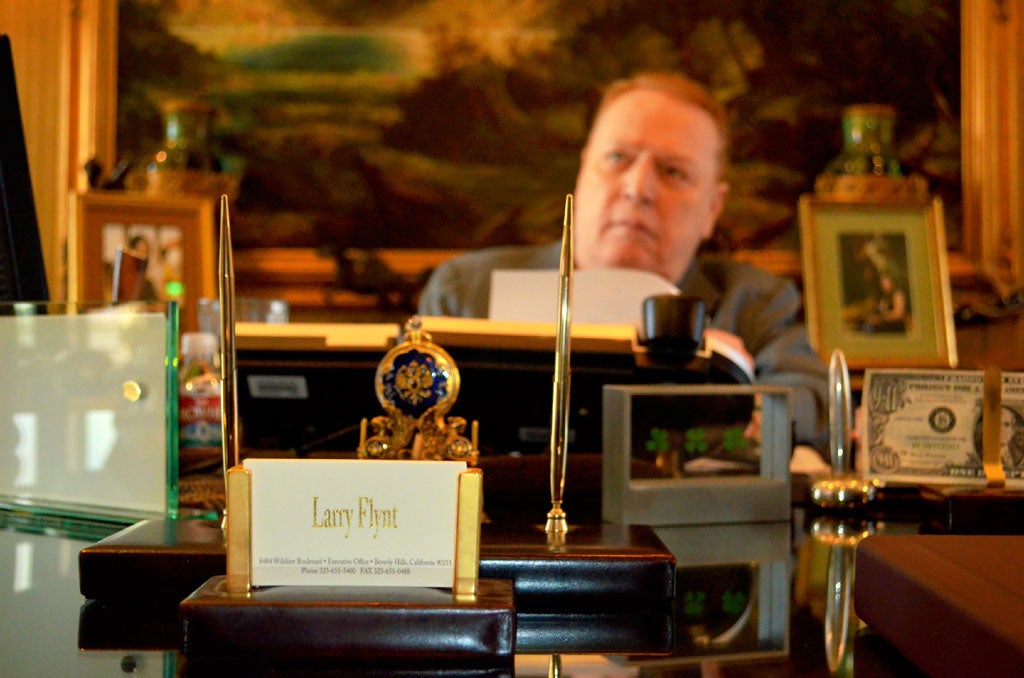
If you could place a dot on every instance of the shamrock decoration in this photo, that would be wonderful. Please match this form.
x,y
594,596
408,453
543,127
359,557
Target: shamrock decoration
x,y
658,442
734,602
696,441
693,603
733,439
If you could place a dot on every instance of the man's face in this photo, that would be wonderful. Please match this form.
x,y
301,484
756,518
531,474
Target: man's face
x,y
649,191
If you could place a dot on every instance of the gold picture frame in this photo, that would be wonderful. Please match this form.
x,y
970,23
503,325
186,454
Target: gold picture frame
x,y
176,230
876,282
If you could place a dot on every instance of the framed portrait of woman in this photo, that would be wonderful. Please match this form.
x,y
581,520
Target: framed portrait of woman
x,y
876,283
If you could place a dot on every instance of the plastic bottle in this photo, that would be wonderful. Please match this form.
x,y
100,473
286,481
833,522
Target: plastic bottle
x,y
199,409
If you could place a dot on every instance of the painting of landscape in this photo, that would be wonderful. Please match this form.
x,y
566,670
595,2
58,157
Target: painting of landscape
x,y
458,123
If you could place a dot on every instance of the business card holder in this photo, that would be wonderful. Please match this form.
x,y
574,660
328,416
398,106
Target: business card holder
x,y
472,623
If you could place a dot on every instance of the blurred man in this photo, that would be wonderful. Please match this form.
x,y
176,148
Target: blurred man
x,y
649,191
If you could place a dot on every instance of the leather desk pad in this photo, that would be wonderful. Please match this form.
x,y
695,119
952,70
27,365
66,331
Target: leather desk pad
x,y
120,625
973,510
152,560
634,632
600,567
353,625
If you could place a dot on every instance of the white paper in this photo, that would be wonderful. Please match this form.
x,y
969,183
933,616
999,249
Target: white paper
x,y
601,296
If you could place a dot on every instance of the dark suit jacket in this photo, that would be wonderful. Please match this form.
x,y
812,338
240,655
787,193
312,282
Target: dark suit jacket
x,y
762,309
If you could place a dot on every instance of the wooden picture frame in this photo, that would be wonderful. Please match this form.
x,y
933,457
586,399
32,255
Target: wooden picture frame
x,y
876,282
178,232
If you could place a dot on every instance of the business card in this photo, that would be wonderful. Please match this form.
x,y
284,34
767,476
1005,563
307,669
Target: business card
x,y
319,522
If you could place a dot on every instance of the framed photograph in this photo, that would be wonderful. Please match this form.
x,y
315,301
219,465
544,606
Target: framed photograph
x,y
876,283
172,234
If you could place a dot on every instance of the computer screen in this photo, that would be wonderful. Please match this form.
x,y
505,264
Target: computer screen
x,y
22,269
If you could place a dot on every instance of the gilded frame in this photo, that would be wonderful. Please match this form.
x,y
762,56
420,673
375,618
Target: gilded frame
x,y
179,231
876,281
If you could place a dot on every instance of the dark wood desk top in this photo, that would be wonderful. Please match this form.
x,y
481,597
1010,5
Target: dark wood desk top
x,y
997,342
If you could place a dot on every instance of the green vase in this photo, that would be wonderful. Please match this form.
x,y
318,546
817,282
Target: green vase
x,y
868,132
185,161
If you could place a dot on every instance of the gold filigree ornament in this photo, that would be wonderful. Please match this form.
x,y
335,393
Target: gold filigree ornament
x,y
417,384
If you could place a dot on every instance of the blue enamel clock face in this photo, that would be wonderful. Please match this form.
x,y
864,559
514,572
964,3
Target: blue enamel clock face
x,y
415,383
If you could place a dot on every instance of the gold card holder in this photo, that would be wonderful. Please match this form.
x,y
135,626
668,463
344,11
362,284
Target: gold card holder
x,y
88,418
239,526
373,621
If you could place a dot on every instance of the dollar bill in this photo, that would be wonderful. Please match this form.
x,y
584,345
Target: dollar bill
x,y
925,426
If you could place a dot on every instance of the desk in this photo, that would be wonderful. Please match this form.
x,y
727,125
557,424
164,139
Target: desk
x,y
997,342
40,608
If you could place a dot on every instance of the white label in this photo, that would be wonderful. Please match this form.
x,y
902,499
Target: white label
x,y
353,522
278,386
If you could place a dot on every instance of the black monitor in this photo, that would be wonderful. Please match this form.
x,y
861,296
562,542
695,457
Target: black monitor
x,y
22,269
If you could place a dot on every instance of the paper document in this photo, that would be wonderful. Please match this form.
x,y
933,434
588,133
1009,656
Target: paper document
x,y
611,295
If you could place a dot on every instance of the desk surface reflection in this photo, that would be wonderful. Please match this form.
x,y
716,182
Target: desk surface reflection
x,y
750,600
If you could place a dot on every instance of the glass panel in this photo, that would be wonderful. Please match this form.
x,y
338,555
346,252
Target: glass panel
x,y
677,436
88,412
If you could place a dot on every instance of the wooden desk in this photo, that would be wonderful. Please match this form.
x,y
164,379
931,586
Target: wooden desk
x,y
999,342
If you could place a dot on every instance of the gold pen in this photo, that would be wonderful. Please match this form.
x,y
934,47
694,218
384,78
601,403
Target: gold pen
x,y
556,522
228,371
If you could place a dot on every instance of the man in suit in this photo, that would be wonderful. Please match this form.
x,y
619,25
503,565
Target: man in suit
x,y
649,191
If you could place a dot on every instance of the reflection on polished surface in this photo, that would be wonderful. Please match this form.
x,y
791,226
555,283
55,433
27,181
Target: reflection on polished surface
x,y
39,622
841,623
732,586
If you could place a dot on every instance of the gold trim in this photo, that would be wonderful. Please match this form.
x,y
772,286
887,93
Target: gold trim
x,y
992,120
991,422
467,533
239,530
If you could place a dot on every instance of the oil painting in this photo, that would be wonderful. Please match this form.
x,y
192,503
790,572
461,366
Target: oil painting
x,y
458,123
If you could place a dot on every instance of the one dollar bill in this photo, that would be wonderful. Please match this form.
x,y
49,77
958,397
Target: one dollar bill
x,y
925,426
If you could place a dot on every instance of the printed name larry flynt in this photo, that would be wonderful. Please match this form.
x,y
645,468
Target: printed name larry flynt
x,y
363,516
